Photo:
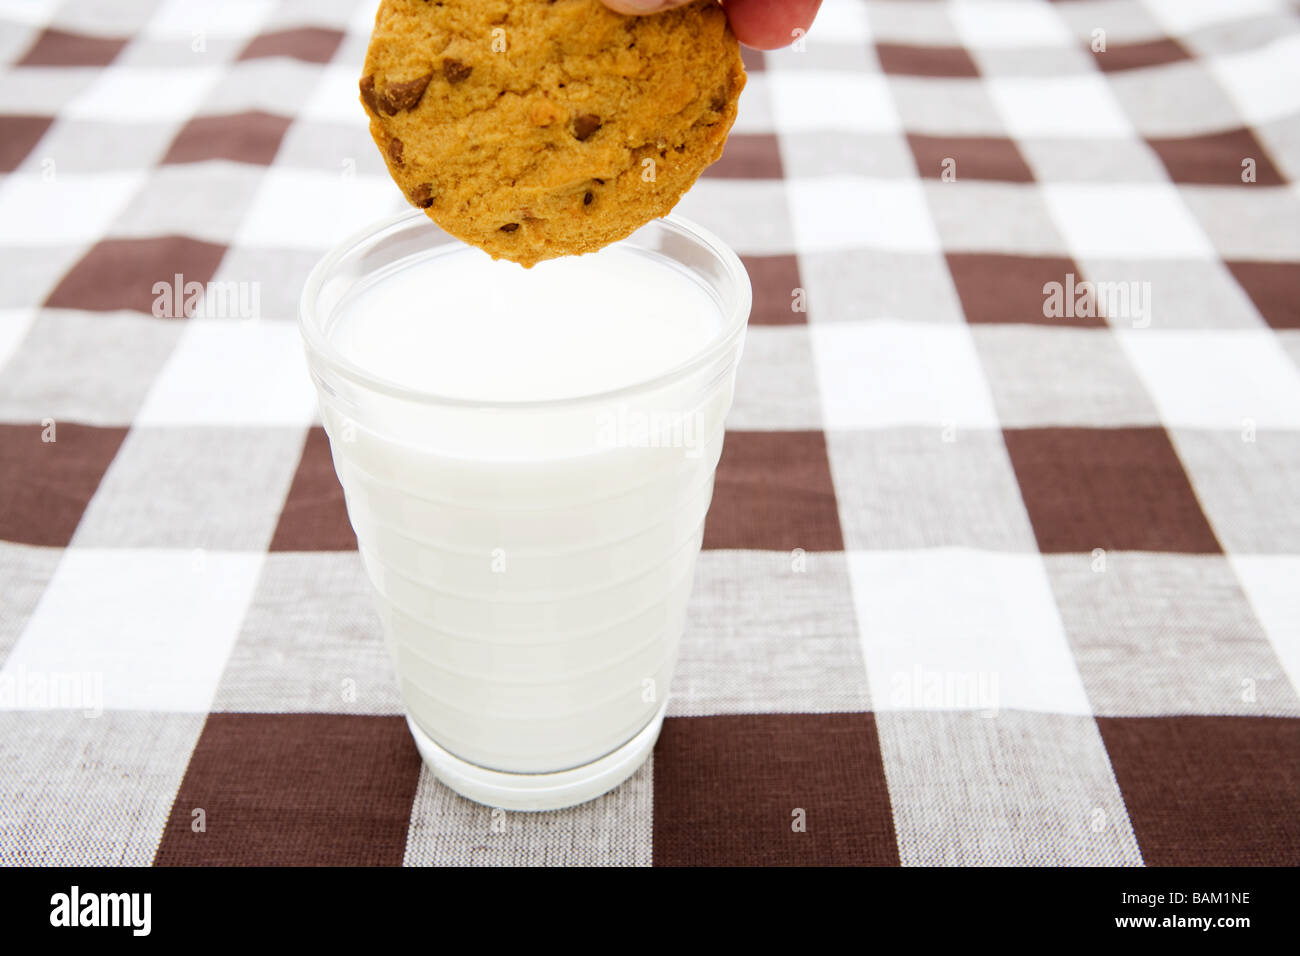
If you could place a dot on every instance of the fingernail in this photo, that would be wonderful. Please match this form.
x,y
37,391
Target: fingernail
x,y
638,7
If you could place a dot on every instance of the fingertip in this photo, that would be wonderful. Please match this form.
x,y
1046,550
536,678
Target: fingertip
x,y
770,24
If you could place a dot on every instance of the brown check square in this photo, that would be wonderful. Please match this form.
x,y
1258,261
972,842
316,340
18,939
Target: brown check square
x,y
18,137
905,60
252,137
748,156
122,273
309,44
969,157
1006,289
315,515
1110,488
1134,56
773,491
1274,287
61,48
1216,159
779,296
1209,791
772,789
294,790
49,473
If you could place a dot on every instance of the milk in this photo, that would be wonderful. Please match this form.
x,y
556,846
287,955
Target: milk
x,y
531,549
468,327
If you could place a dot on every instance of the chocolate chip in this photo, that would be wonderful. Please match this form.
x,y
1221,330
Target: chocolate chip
x,y
455,71
368,93
423,195
395,150
719,101
599,182
510,227
585,125
586,200
405,95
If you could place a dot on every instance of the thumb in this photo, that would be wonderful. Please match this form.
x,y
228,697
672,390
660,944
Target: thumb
x,y
636,7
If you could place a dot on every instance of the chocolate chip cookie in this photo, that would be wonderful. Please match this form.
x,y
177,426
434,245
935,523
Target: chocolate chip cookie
x,y
541,128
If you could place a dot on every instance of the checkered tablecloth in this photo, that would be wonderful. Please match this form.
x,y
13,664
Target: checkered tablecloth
x,y
997,571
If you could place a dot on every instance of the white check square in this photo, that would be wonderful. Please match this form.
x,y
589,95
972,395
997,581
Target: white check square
x,y
205,201
43,90
1181,17
910,23
959,629
63,209
362,20
143,94
776,385
853,212
152,629
233,372
1216,379
32,12
1272,584
750,215
754,114
754,643
185,18
994,24
97,19
884,373
1078,107
14,324
109,805
277,85
336,97
1128,220
287,211
1264,82
861,104
841,21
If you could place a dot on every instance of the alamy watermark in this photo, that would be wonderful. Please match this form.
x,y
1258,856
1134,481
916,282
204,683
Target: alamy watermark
x,y
626,427
207,300
21,689
944,689
131,911
1082,298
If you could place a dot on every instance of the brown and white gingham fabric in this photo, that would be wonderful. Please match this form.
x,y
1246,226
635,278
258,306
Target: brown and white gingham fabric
x,y
981,585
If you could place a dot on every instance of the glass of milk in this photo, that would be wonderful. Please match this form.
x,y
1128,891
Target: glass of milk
x,y
528,457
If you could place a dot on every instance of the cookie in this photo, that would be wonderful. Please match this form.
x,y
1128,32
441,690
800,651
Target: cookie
x,y
541,128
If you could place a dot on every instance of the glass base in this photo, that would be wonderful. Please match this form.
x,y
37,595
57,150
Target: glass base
x,y
539,791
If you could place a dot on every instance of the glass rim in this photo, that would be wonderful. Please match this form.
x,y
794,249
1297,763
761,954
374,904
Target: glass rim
x,y
734,319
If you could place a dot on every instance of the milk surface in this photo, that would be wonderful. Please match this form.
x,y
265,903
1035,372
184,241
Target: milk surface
x,y
468,327
532,564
